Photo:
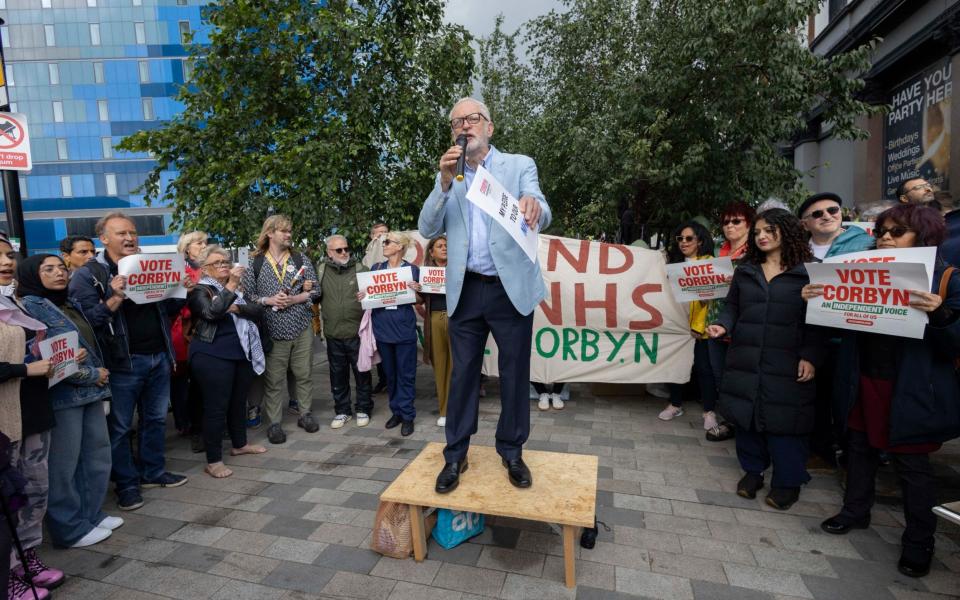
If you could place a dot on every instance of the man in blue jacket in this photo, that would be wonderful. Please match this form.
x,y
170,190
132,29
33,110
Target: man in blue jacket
x,y
492,286
135,340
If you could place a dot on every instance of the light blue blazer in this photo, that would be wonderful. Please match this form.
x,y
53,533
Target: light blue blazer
x,y
449,213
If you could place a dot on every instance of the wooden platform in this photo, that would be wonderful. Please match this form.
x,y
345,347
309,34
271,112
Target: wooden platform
x,y
564,492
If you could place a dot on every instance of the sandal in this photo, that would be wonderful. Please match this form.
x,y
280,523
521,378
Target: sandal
x,y
721,432
217,470
248,449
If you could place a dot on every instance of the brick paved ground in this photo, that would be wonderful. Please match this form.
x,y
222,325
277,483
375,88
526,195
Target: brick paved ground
x,y
294,524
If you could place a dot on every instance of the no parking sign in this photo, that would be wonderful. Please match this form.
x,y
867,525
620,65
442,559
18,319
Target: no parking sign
x,y
14,142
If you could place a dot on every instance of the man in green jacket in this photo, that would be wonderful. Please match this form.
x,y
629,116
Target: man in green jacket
x,y
342,314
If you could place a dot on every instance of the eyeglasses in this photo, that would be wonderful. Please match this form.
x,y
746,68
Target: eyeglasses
x,y
736,221
387,242
341,250
897,231
54,269
686,238
472,119
920,186
219,264
832,211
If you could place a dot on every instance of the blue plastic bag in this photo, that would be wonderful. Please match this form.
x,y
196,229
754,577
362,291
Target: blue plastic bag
x,y
455,527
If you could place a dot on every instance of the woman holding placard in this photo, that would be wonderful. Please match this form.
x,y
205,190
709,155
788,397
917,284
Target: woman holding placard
x,y
395,329
436,341
691,241
900,395
185,396
767,390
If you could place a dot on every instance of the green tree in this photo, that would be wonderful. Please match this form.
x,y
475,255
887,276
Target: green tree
x,y
672,107
333,113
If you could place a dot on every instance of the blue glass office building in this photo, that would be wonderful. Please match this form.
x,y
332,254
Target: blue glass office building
x,y
87,73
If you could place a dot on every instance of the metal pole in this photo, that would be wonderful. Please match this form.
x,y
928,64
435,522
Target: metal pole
x,y
11,183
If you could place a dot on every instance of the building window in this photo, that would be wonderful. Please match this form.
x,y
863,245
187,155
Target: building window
x,y
836,7
5,34
102,110
141,33
111,179
144,68
66,186
49,36
181,2
148,109
106,144
184,32
46,3
62,153
92,3
98,72
23,182
57,111
3,4
94,34
13,107
54,70
138,2
187,69
8,73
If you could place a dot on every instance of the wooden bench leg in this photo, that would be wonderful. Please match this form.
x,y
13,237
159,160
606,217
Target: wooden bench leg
x,y
417,530
569,549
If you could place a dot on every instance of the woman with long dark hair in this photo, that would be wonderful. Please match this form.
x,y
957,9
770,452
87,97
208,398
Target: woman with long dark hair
x,y
900,395
691,241
436,340
767,390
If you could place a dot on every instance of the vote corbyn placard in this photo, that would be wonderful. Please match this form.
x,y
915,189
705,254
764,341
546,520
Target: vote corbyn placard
x,y
61,351
700,279
433,280
153,277
871,297
386,287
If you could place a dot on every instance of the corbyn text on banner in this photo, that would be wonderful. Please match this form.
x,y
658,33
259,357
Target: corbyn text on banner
x,y
433,280
153,277
700,279
61,351
386,287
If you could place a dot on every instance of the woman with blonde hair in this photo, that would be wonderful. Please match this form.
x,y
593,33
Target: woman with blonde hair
x,y
184,394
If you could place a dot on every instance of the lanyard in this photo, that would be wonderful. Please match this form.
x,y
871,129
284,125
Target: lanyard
x,y
281,272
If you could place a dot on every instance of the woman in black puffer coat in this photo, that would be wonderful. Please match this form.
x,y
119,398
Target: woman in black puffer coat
x,y
767,390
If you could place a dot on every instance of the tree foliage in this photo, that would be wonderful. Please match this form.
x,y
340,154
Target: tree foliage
x,y
333,112
671,107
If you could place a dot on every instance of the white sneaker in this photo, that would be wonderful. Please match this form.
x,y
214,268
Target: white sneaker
x,y
363,419
709,420
339,421
442,422
110,523
670,412
557,401
95,536
544,403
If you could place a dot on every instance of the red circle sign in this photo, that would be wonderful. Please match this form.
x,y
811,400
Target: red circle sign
x,y
11,132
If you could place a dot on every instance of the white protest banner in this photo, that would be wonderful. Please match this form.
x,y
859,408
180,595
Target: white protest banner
x,y
494,199
433,280
386,287
925,255
153,277
700,279
61,351
869,297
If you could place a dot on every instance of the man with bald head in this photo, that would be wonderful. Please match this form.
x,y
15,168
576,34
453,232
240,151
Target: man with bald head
x,y
492,287
341,314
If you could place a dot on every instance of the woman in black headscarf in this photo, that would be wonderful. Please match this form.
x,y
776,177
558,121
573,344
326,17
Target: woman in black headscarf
x,y
80,461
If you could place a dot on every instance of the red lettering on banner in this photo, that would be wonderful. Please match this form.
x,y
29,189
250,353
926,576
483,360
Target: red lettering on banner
x,y
553,311
605,268
579,263
698,270
609,304
656,317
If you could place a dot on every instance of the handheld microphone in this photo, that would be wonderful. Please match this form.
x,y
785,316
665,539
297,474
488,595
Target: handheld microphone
x,y
462,161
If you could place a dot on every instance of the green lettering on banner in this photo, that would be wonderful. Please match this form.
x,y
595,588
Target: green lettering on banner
x,y
556,342
589,349
650,351
570,337
616,344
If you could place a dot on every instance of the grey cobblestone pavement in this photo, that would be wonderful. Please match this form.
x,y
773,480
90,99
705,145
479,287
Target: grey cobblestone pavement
x,y
294,523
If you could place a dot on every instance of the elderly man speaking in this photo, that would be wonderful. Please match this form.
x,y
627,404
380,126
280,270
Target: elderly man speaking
x,y
491,287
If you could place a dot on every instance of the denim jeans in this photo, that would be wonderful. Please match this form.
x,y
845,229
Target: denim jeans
x,y
145,388
79,468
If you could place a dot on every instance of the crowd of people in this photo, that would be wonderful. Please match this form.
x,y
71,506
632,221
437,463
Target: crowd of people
x,y
780,387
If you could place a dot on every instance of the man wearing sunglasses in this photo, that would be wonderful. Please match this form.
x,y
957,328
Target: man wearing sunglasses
x,y
342,314
492,287
915,191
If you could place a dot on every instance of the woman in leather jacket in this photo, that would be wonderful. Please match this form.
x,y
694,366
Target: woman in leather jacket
x,y
225,352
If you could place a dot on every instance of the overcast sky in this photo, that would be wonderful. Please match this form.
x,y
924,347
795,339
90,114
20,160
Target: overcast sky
x,y
478,16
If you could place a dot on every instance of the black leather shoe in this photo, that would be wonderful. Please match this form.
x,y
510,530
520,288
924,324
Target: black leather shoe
x,y
748,485
915,566
393,421
407,428
519,473
837,525
588,539
783,498
449,477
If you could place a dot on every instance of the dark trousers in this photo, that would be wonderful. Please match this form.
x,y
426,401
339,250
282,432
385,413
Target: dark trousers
x,y
703,371
400,367
342,358
824,441
551,388
484,307
224,384
717,349
187,401
916,483
788,453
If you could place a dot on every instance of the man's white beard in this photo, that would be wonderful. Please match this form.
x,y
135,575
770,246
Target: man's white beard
x,y
340,262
